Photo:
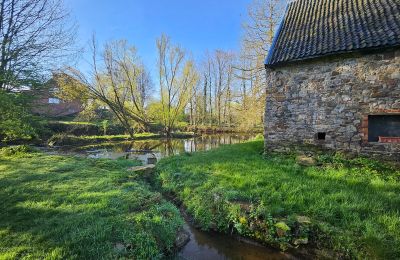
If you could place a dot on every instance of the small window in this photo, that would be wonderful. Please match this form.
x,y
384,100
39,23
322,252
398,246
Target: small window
x,y
321,136
54,101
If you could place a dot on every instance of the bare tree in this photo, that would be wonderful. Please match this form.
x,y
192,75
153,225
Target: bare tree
x,y
264,17
177,77
222,71
120,81
33,33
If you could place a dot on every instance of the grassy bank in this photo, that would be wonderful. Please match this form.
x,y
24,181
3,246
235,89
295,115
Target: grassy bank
x,y
348,206
64,139
55,207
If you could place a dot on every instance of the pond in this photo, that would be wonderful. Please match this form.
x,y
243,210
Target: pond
x,y
152,150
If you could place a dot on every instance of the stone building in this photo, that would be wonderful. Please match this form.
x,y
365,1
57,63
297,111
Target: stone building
x,y
334,77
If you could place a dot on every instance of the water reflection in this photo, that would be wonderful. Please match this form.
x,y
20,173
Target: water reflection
x,y
211,245
146,149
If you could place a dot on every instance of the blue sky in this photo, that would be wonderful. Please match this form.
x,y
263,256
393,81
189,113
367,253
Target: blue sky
x,y
196,25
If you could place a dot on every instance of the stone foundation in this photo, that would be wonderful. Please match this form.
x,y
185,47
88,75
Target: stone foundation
x,y
326,102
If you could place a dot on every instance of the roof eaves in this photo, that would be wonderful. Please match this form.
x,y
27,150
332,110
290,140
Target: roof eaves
x,y
308,58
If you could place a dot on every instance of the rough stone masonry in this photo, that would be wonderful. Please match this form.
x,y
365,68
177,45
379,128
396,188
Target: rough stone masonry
x,y
327,102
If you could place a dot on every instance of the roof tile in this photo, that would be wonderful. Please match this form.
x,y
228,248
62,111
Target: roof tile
x,y
313,28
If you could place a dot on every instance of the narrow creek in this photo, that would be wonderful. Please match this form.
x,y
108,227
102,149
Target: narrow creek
x,y
202,245
212,245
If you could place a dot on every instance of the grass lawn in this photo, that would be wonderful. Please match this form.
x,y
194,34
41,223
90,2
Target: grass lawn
x,y
351,207
55,207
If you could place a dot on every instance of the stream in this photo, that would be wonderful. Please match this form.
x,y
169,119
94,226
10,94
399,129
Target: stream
x,y
213,245
202,245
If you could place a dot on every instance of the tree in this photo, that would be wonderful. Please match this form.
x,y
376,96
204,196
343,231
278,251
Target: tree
x,y
120,81
33,33
177,76
16,121
217,88
259,31
222,65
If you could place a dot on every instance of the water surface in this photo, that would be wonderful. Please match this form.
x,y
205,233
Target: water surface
x,y
148,150
212,245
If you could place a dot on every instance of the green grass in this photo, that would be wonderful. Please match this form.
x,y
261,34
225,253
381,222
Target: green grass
x,y
55,207
353,205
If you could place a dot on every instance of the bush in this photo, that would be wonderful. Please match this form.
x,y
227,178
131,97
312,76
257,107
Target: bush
x,y
16,120
84,128
16,150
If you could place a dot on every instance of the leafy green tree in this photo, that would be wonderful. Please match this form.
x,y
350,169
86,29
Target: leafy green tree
x,y
16,121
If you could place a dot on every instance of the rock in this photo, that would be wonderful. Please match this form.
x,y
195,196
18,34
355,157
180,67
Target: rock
x,y
306,160
303,220
145,168
182,238
151,160
119,247
395,75
301,241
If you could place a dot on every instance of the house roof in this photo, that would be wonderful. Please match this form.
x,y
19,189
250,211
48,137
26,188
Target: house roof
x,y
315,28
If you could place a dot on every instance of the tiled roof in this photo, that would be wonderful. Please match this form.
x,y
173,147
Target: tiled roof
x,y
314,28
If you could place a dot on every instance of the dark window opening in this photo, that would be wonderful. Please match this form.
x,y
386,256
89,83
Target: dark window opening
x,y
321,136
383,126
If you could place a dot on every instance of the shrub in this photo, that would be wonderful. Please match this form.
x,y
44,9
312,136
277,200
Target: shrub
x,y
16,121
16,150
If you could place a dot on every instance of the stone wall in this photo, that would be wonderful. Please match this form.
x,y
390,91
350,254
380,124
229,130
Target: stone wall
x,y
332,96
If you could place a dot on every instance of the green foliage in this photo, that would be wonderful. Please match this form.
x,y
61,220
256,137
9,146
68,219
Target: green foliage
x,y
155,112
18,150
350,206
55,207
86,128
16,121
105,124
259,137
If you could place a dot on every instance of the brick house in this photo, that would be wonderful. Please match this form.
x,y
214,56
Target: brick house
x,y
334,77
49,105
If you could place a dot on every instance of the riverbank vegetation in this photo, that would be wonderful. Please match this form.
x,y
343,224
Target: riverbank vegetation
x,y
63,139
57,207
349,206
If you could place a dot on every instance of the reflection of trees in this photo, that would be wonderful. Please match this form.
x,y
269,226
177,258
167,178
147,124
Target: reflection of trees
x,y
174,146
168,147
